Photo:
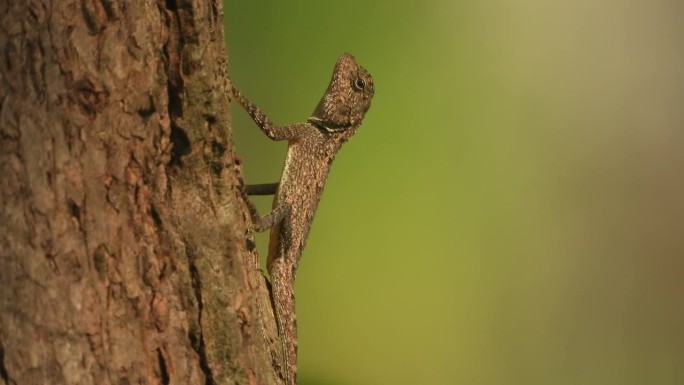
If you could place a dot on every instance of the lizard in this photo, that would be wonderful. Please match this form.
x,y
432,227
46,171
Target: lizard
x,y
312,146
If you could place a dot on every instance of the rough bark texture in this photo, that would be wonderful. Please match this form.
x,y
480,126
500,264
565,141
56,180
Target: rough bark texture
x,y
123,255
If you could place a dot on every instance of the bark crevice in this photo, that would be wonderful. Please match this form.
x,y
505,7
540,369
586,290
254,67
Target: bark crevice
x,y
197,338
3,370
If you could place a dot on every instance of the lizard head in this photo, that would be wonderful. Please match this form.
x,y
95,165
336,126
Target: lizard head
x,y
347,99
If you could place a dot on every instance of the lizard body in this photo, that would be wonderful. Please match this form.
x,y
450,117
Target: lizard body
x,y
311,149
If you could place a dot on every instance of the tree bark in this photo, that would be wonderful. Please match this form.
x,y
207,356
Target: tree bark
x,y
124,257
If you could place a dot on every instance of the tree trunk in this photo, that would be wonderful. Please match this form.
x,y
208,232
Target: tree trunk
x,y
123,250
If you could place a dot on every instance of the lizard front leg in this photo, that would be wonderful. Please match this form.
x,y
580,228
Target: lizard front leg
x,y
274,132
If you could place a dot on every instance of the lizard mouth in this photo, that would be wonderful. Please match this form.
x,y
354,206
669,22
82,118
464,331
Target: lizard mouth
x,y
329,126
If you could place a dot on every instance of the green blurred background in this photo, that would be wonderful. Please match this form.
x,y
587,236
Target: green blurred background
x,y
511,210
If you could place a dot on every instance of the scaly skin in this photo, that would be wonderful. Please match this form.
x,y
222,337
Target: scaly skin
x,y
311,150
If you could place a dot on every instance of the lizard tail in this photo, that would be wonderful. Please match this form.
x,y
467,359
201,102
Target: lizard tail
x,y
284,301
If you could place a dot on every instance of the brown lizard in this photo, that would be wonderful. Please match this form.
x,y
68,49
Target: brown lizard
x,y
311,149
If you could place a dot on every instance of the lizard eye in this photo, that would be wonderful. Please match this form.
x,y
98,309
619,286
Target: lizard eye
x,y
360,84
